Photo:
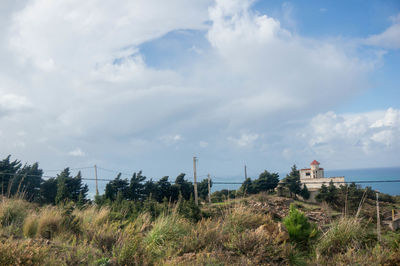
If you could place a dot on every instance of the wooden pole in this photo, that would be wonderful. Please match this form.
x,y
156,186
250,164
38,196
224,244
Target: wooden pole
x,y
195,181
245,172
378,220
209,189
95,175
345,202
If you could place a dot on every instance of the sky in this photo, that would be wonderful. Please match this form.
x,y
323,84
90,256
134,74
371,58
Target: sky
x,y
147,85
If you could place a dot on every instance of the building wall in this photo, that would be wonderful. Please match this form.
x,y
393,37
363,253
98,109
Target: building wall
x,y
317,173
314,184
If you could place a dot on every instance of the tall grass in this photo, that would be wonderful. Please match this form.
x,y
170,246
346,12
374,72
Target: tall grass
x,y
49,223
31,225
166,234
344,234
13,212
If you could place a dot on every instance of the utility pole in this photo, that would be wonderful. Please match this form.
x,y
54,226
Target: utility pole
x,y
95,175
195,181
209,189
245,172
378,220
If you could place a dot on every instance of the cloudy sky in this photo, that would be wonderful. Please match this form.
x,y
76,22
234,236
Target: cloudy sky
x,y
132,85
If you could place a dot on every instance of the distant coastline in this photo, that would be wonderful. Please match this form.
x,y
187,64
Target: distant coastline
x,y
351,175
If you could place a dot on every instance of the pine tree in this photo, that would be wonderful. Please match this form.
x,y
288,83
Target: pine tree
x,y
304,193
292,181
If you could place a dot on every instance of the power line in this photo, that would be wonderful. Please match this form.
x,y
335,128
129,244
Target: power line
x,y
214,182
60,170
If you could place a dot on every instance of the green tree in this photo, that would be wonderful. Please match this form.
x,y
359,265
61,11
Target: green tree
x,y
136,186
62,190
299,228
48,191
163,189
202,189
292,181
185,188
247,187
69,188
150,189
116,186
329,194
8,172
266,181
304,193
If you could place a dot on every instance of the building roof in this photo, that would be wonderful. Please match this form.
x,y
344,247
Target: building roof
x,y
315,162
309,169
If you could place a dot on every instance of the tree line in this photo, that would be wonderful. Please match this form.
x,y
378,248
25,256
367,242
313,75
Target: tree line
x,y
17,178
27,180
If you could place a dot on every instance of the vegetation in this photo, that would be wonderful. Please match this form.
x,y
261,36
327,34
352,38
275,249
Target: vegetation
x,y
142,222
292,182
236,233
265,182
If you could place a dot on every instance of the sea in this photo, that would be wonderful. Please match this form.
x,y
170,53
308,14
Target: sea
x,y
351,175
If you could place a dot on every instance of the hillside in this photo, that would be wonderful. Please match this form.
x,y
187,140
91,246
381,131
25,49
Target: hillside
x,y
243,231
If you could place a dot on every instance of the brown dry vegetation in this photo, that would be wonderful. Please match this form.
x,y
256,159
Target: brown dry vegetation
x,y
239,232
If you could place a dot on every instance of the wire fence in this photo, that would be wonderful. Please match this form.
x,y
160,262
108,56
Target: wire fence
x,y
214,179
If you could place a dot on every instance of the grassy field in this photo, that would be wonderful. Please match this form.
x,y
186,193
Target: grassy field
x,y
256,230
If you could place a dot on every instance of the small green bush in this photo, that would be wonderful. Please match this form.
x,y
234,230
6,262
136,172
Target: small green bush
x,y
299,228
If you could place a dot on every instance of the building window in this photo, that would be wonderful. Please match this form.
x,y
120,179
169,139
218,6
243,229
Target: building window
x,y
307,174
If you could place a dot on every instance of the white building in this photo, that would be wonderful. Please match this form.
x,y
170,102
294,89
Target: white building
x,y
313,178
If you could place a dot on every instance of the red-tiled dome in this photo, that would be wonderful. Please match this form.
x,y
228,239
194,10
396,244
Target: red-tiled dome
x,y
315,162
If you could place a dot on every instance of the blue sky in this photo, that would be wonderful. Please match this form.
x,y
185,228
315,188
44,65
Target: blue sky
x,y
147,85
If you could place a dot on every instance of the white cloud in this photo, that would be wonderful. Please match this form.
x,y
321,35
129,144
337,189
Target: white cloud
x,y
79,66
11,103
390,38
171,139
370,135
77,153
245,140
203,144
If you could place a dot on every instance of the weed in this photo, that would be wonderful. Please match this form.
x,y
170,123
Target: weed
x,y
49,223
30,226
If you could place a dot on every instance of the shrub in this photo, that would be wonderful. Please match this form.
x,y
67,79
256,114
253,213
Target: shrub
x,y
189,210
70,222
13,212
299,228
344,234
129,250
166,234
240,218
206,235
30,226
49,223
105,237
14,252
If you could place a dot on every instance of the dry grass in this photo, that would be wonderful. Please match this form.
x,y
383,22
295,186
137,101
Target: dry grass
x,y
49,223
237,235
344,234
13,212
16,252
166,235
31,225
